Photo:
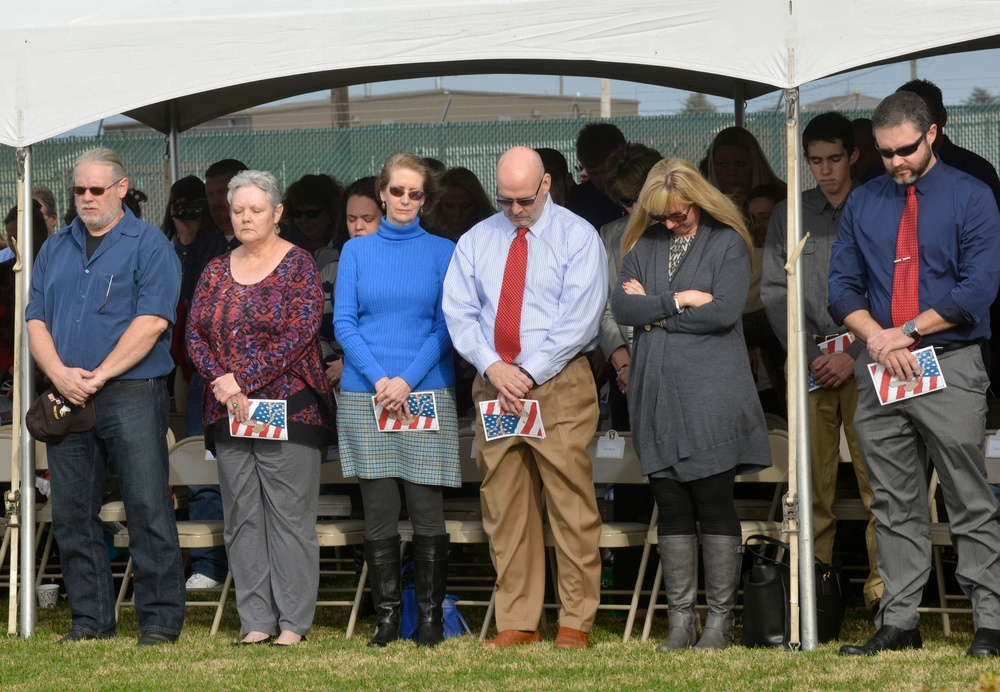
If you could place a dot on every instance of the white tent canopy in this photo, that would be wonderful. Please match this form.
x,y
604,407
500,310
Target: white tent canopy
x,y
63,65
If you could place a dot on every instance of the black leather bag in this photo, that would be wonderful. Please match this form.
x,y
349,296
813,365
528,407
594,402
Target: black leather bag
x,y
766,611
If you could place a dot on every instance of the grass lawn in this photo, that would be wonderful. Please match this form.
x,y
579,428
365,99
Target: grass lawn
x,y
328,661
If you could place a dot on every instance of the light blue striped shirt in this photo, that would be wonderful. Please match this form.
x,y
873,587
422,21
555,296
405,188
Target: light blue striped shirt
x,y
565,290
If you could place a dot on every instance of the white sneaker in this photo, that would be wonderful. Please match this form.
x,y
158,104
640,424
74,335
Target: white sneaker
x,y
200,581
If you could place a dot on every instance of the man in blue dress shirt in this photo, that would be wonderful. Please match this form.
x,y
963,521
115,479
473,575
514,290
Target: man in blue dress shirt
x,y
563,276
103,297
957,256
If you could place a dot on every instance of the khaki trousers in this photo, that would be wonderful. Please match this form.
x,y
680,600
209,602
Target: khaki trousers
x,y
514,471
829,409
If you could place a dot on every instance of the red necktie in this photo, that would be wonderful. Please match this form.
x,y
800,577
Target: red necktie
x,y
507,330
906,274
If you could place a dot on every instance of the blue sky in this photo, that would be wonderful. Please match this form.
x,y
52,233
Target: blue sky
x,y
956,74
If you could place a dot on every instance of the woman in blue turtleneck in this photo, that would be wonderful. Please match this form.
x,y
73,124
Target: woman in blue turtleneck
x,y
389,321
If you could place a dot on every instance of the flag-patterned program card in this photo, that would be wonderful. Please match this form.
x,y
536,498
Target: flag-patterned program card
x,y
499,423
267,420
836,344
422,418
890,389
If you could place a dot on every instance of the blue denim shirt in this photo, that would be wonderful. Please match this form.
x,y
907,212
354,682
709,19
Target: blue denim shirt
x,y
958,229
88,304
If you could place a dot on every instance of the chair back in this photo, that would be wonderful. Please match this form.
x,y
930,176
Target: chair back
x,y
611,470
778,472
467,458
6,453
189,465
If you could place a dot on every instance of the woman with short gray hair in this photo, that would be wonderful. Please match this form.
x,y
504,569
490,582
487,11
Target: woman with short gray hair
x,y
253,334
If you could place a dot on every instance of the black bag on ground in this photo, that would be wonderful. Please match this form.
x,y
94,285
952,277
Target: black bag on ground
x,y
766,611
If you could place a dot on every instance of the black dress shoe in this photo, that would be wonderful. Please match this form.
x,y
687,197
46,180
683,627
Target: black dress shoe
x,y
986,643
156,638
76,636
888,638
265,640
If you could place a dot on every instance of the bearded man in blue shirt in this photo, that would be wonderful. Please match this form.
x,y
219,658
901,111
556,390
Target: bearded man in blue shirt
x,y
916,263
103,296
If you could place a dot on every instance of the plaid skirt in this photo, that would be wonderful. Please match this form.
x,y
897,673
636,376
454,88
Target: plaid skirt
x,y
427,458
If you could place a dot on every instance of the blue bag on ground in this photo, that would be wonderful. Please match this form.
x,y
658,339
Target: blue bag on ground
x,y
454,624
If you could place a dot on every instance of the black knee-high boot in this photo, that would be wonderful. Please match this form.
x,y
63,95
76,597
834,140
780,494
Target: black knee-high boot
x,y
384,577
430,562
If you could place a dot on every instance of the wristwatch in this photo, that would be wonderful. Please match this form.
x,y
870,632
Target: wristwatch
x,y
909,329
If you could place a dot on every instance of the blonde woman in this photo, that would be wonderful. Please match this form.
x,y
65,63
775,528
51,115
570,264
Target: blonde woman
x,y
696,419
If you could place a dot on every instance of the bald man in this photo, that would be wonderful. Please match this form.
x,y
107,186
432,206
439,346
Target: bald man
x,y
543,270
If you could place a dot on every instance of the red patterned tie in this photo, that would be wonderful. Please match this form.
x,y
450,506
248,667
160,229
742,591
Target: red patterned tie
x,y
906,275
507,330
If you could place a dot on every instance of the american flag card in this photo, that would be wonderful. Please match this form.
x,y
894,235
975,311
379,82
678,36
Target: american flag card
x,y
836,344
499,423
267,420
422,418
890,389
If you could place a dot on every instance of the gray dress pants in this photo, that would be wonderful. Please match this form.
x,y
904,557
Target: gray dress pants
x,y
270,490
950,425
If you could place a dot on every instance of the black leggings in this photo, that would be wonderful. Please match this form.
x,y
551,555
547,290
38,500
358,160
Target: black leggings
x,y
382,503
708,501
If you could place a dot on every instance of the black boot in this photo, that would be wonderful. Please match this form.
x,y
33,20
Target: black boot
x,y
384,578
430,562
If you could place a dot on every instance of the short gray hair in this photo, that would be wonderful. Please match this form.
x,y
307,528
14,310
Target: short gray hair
x,y
104,157
902,108
262,179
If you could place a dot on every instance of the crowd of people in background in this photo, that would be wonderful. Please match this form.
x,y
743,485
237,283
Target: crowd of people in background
x,y
655,282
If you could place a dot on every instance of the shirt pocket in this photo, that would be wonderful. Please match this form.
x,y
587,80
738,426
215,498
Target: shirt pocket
x,y
112,293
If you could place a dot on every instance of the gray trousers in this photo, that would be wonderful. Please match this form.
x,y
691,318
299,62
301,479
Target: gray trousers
x,y
950,424
270,490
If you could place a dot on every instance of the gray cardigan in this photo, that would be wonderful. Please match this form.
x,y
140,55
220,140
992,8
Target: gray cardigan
x,y
691,395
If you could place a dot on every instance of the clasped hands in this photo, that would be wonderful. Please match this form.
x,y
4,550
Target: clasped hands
x,y
228,393
890,347
392,394
77,384
512,385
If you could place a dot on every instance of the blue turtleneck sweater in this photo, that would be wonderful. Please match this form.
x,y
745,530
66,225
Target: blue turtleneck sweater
x,y
387,315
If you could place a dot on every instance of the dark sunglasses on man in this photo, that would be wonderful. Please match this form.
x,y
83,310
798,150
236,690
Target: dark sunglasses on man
x,y
902,152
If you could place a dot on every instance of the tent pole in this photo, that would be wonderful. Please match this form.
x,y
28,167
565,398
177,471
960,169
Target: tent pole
x,y
24,392
798,502
174,145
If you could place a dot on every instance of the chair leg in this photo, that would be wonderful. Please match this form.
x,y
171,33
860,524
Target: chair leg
x,y
657,580
633,608
358,595
121,592
488,618
46,553
222,603
942,595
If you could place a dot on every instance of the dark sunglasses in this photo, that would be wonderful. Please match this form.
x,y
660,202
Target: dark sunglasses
x,y
903,152
308,213
95,191
507,203
625,202
415,195
676,217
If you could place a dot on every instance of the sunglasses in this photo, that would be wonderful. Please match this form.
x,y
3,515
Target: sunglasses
x,y
676,217
415,195
625,202
903,152
95,191
507,203
308,213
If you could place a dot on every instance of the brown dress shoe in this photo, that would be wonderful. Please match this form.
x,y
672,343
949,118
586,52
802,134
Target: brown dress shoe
x,y
514,638
569,638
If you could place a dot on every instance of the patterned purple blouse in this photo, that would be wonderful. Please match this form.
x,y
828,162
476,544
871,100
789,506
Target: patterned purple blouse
x,y
267,335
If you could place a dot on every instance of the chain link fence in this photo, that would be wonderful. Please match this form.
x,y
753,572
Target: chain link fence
x,y
351,153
